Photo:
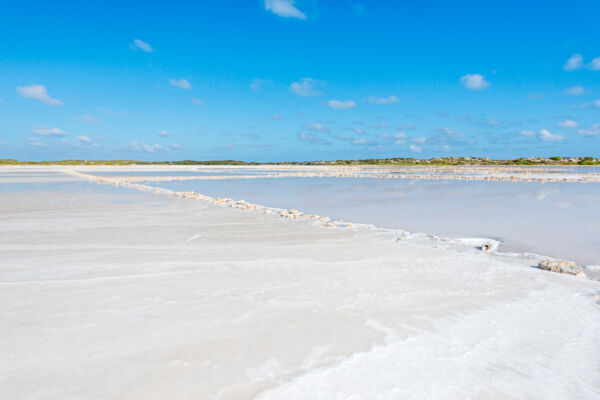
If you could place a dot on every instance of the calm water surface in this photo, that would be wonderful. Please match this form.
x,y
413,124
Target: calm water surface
x,y
556,219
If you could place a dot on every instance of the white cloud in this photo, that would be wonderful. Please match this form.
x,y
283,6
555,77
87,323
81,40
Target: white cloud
x,y
306,87
316,126
593,131
35,143
45,131
548,136
414,148
446,147
196,101
341,105
527,133
567,124
84,139
105,111
306,137
181,83
361,142
151,148
164,133
574,62
88,119
594,65
38,92
137,43
585,105
397,138
284,8
381,125
420,140
257,84
277,117
575,90
474,82
358,131
384,100
407,127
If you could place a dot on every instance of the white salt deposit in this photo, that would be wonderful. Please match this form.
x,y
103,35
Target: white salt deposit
x,y
116,293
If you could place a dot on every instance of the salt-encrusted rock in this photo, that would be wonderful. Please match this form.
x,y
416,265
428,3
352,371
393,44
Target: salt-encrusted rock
x,y
563,267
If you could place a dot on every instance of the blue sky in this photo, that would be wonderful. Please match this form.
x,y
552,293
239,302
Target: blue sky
x,y
270,80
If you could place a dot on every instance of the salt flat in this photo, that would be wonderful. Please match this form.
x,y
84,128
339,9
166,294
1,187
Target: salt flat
x,y
114,293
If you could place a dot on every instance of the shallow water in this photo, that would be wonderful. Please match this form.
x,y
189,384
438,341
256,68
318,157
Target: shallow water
x,y
555,219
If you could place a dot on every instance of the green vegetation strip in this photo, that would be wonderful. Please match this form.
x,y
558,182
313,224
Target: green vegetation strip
x,y
467,161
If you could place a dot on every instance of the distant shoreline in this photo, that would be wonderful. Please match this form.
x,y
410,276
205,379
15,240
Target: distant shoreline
x,y
452,161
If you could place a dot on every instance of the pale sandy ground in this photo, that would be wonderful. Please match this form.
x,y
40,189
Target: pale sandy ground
x,y
116,294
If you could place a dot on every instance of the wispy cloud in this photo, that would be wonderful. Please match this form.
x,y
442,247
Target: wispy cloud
x,y
593,131
164,133
574,62
414,148
307,137
316,126
527,132
38,92
575,90
306,87
384,100
138,44
474,82
277,117
196,101
284,8
407,127
151,148
341,105
548,136
361,141
381,125
567,124
84,139
105,111
257,84
595,103
35,143
396,138
46,131
89,119
181,83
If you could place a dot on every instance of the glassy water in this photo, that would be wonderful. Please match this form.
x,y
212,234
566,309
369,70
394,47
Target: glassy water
x,y
555,219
